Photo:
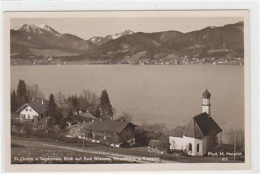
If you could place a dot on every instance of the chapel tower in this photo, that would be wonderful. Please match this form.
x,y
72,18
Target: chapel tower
x,y
206,102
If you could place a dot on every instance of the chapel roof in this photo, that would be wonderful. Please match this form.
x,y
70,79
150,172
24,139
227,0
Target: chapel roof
x,y
201,125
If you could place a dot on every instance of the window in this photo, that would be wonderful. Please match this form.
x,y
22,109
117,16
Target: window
x,y
30,110
190,147
26,109
198,147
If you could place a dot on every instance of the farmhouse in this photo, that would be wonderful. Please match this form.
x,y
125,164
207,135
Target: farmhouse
x,y
85,117
79,130
195,138
113,133
32,111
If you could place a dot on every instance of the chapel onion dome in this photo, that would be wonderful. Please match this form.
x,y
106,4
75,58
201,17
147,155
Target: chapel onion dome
x,y
206,94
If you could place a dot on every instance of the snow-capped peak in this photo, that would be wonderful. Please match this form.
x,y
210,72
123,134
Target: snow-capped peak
x,y
48,28
126,32
29,28
95,39
37,29
100,40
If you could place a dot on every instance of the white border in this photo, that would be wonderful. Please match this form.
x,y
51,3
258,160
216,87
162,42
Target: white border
x,y
252,6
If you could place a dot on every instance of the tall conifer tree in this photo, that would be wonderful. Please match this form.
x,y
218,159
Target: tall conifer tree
x,y
22,98
105,106
51,107
13,101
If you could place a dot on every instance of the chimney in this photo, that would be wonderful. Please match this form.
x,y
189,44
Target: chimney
x,y
42,102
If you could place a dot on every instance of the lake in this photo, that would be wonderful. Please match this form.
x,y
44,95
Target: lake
x,y
151,94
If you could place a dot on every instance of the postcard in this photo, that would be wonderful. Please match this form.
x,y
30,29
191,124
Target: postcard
x,y
126,90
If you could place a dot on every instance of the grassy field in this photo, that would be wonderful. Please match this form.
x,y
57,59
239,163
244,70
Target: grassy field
x,y
49,151
37,154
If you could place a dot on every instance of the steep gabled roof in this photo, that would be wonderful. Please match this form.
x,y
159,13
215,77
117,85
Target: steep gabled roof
x,y
110,125
87,115
178,131
38,107
201,126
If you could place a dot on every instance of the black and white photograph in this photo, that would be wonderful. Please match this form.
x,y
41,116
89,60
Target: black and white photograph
x,y
128,88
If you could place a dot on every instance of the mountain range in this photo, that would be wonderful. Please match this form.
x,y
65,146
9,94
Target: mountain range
x,y
30,41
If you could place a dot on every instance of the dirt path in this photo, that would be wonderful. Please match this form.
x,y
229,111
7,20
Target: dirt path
x,y
116,156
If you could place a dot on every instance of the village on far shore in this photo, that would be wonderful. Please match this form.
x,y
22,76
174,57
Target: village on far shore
x,y
86,124
183,60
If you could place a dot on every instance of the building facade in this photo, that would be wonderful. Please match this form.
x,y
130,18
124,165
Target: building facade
x,y
195,138
113,133
32,111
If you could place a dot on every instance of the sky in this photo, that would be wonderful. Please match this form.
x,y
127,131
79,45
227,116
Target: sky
x,y
87,28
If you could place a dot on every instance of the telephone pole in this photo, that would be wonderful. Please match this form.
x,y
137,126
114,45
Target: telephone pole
x,y
83,143
235,145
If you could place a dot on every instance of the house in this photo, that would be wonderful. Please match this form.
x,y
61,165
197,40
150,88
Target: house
x,y
81,117
87,116
113,132
157,146
79,131
33,111
195,137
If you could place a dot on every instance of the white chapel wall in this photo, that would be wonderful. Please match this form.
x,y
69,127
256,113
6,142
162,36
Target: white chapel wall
x,y
176,143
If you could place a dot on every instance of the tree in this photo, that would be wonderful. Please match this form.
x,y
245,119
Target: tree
x,y
142,136
22,98
21,88
53,112
51,107
105,106
88,100
60,97
34,92
74,103
236,138
13,101
212,141
17,126
157,131
98,113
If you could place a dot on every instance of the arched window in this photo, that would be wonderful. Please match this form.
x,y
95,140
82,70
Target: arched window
x,y
198,147
190,147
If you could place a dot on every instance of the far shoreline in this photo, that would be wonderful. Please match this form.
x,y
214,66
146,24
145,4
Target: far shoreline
x,y
94,64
